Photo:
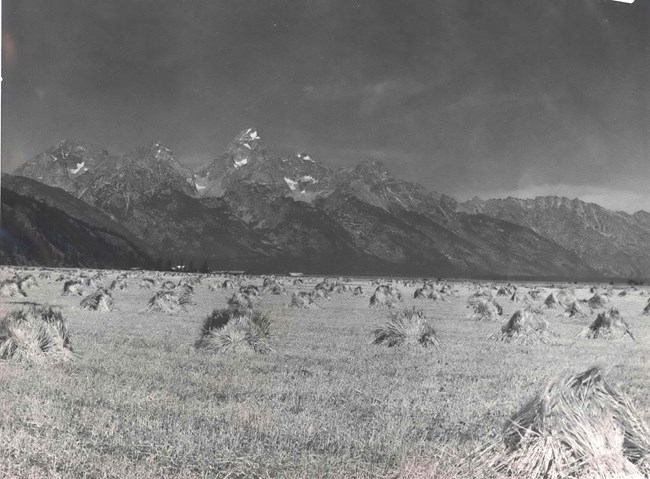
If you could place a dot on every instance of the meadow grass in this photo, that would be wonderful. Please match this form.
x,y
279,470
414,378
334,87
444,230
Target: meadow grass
x,y
140,401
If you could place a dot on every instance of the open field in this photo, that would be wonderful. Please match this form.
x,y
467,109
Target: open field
x,y
139,400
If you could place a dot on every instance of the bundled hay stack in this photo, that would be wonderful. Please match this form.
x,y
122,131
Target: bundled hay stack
x,y
10,288
422,293
147,283
385,295
485,310
118,284
525,328
167,302
646,310
408,327
168,285
225,330
577,427
518,297
100,300
320,293
38,334
607,325
278,289
339,288
228,284
44,275
552,301
28,281
574,310
298,281
250,290
302,300
241,301
72,287
535,293
597,301
358,291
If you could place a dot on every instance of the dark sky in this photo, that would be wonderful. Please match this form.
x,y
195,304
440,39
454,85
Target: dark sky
x,y
467,97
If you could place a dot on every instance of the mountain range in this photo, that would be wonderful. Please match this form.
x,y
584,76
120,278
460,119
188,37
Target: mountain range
x,y
253,211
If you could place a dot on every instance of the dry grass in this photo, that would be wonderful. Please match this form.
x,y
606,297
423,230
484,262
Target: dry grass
x,y
140,401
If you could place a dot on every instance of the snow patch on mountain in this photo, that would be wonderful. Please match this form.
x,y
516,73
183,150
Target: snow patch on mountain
x,y
81,165
240,162
293,185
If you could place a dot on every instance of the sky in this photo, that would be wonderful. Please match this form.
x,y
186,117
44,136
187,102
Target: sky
x,y
467,97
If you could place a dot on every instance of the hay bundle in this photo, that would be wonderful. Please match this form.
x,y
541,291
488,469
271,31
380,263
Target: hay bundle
x,y
408,327
607,325
552,301
535,293
574,310
226,330
298,281
597,301
100,300
525,328
385,295
422,293
228,284
28,281
485,311
44,275
250,290
577,427
38,334
72,287
168,285
358,291
623,293
11,288
505,291
167,302
302,300
518,297
646,309
118,284
278,289
320,293
339,288
241,301
147,283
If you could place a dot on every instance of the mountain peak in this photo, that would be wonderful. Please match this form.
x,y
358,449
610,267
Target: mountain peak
x,y
247,139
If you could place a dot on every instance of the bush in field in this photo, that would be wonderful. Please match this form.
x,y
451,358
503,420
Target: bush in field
x,y
408,327
228,330
577,427
37,334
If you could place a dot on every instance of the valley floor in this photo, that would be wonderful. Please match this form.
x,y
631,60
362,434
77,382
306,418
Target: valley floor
x,y
140,401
